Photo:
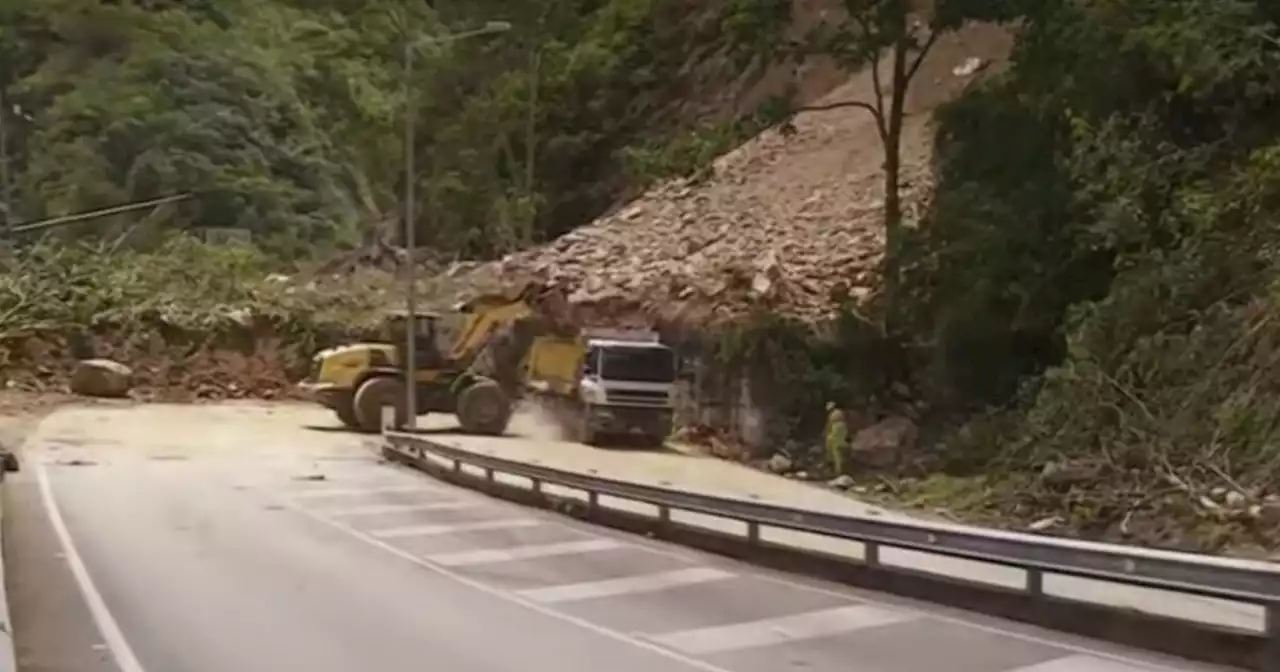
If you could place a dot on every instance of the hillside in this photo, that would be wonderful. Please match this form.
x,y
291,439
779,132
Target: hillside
x,y
784,222
284,120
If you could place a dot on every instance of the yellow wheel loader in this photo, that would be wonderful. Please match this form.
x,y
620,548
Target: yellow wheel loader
x,y
467,363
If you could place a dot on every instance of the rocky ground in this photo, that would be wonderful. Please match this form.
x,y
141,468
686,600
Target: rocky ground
x,y
785,223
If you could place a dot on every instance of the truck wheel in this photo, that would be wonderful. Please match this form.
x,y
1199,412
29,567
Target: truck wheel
x,y
345,408
483,408
371,397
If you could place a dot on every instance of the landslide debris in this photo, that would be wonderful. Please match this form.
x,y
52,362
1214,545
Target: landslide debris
x,y
188,321
786,224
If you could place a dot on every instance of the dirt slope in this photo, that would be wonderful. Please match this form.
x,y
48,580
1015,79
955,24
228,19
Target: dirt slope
x,y
784,223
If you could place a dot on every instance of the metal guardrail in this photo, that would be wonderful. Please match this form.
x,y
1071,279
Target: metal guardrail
x,y
1238,580
8,659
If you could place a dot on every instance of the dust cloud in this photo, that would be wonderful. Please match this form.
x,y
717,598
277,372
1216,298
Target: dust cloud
x,y
535,421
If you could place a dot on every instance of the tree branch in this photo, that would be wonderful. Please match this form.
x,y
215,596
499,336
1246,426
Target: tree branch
x,y
924,51
875,112
864,23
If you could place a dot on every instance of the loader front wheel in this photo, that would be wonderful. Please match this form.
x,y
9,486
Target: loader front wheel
x,y
372,396
345,409
483,408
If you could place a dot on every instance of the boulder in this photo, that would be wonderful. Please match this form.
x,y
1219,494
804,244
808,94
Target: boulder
x,y
885,443
101,378
841,482
780,464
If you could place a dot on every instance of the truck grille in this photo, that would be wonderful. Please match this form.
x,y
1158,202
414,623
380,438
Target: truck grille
x,y
637,397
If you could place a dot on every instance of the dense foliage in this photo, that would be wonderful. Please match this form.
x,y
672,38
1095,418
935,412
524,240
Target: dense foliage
x,y
1097,277
1108,208
284,116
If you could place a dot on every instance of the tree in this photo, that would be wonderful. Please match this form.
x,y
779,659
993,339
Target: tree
x,y
874,35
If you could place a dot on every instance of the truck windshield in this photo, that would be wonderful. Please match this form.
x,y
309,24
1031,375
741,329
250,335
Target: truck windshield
x,y
641,365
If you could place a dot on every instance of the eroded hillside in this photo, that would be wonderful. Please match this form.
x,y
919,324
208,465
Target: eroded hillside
x,y
785,222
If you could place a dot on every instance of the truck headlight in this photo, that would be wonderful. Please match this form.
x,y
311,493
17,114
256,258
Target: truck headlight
x,y
593,395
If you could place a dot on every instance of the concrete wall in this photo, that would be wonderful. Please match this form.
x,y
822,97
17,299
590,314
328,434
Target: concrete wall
x,y
722,399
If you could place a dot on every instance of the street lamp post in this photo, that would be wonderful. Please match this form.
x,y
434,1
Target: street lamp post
x,y
410,232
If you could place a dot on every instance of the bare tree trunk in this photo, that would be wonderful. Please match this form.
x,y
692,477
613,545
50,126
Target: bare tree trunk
x,y
6,184
893,232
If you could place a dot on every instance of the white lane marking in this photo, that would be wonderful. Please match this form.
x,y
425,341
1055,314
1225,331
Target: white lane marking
x,y
475,526
377,509
630,585
941,614
1084,664
491,555
781,630
350,492
506,595
107,625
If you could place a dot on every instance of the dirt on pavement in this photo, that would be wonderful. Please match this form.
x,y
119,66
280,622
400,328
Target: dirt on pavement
x,y
21,412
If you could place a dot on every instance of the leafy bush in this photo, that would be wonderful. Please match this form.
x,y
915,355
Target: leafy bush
x,y
1124,234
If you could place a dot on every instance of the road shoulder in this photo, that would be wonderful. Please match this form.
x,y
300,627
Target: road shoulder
x,y
53,628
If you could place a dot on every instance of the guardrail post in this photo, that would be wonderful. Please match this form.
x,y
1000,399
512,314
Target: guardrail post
x,y
457,466
535,485
664,514
870,553
1271,650
753,532
488,474
593,500
1035,582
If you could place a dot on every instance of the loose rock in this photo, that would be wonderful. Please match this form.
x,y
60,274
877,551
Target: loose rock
x,y
101,378
841,482
885,443
780,464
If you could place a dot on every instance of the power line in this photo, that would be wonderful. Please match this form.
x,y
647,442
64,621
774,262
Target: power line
x,y
51,222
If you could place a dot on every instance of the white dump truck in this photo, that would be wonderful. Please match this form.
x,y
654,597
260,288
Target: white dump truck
x,y
606,384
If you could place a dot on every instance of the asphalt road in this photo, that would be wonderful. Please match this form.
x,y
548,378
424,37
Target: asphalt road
x,y
207,539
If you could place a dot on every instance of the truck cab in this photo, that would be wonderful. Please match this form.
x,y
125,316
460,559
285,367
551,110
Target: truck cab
x,y
626,387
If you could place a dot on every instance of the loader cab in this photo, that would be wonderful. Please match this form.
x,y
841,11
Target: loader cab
x,y
427,332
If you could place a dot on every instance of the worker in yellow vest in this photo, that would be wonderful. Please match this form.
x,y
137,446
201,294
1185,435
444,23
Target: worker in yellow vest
x,y
837,437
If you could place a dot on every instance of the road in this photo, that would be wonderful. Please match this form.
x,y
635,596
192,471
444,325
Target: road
x,y
234,537
703,474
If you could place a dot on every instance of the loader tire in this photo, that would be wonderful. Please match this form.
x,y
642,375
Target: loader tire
x,y
483,408
372,396
345,409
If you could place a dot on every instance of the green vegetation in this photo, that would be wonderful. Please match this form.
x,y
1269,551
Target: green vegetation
x,y
1107,209
1095,290
284,116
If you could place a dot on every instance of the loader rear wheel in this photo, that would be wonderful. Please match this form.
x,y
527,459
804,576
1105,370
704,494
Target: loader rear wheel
x,y
483,408
371,397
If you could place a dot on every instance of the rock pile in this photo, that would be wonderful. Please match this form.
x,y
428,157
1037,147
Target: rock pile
x,y
790,224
